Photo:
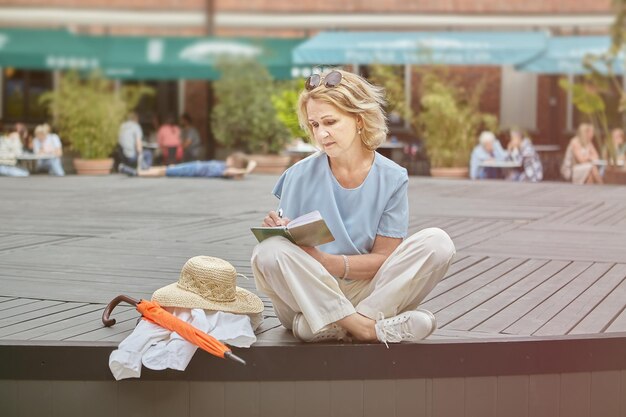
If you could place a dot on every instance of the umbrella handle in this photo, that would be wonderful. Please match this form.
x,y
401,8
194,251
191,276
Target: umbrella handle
x,y
108,322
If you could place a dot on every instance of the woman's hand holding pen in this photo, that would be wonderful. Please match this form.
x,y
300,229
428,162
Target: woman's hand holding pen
x,y
275,219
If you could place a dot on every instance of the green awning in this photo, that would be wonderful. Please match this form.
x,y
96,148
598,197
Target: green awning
x,y
421,48
160,58
45,49
565,55
140,57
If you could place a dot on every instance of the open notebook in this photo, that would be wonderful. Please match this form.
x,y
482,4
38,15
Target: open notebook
x,y
307,230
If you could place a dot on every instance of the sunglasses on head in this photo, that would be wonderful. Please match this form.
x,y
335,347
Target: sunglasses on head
x,y
331,80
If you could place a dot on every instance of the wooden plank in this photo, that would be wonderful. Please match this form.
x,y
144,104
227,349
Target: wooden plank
x,y
575,395
35,398
622,402
448,397
453,295
530,299
512,399
543,395
17,312
605,393
463,276
16,302
491,307
601,317
313,398
346,398
206,399
480,396
537,317
410,398
43,317
477,294
9,397
152,398
68,327
241,399
379,398
74,398
277,399
567,318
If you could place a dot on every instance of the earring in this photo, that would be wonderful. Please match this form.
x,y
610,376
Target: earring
x,y
359,131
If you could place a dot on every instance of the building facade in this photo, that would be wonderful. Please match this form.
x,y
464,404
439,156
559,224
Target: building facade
x,y
533,102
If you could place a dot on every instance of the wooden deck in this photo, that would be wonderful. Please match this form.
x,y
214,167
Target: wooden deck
x,y
531,313
533,259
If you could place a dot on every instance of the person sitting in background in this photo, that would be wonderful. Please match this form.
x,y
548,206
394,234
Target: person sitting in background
x,y
236,166
130,140
521,150
168,138
488,149
617,138
580,155
190,139
22,132
10,149
48,144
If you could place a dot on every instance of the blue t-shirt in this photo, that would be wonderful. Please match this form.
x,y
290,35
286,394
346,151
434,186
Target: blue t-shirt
x,y
379,206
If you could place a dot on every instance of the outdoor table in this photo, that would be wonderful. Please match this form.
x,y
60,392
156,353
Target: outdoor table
x,y
500,164
391,150
29,160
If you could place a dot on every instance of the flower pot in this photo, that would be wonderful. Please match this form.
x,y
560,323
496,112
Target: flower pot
x,y
93,166
615,175
271,164
452,172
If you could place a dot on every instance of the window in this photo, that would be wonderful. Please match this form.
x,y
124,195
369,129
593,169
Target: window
x,y
21,92
518,99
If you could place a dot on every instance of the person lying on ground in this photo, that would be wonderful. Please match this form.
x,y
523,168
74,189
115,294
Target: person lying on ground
x,y
236,166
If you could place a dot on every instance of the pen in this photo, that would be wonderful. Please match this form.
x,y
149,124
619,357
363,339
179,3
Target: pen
x,y
280,213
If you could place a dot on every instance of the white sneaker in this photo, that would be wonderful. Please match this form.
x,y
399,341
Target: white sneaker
x,y
301,330
410,326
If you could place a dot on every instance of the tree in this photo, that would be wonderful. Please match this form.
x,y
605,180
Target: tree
x,y
244,117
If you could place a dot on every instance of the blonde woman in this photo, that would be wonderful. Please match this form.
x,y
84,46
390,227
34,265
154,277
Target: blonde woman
x,y
580,156
368,283
48,145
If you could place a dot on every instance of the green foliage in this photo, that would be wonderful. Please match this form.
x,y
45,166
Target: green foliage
x,y
244,116
392,80
450,119
600,82
88,112
285,101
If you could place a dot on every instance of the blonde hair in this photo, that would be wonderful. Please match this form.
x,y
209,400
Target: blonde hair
x,y
41,129
581,132
239,160
355,96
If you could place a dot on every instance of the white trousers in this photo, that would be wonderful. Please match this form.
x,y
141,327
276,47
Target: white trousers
x,y
296,282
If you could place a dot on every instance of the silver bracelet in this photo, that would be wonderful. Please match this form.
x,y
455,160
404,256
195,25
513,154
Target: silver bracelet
x,y
346,267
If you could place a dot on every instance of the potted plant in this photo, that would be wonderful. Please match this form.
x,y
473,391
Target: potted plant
x,y
244,117
450,122
88,112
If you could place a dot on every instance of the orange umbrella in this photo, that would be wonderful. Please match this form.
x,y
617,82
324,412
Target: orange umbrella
x,y
154,313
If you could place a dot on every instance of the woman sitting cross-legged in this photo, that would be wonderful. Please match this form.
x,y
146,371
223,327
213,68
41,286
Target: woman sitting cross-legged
x,y
236,166
368,283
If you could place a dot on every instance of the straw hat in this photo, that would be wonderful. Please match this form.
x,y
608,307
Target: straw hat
x,y
208,283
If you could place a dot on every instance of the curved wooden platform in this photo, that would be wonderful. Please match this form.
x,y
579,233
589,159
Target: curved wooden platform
x,y
536,295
